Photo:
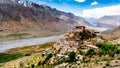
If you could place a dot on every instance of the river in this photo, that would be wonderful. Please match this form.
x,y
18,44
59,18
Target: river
x,y
5,45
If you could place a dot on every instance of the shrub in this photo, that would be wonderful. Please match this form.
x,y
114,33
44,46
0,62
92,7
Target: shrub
x,y
47,58
110,48
81,52
39,63
28,54
108,63
32,65
72,56
107,48
118,51
90,52
99,44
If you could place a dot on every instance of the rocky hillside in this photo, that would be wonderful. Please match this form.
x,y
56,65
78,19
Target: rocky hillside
x,y
16,15
69,43
112,33
108,21
80,48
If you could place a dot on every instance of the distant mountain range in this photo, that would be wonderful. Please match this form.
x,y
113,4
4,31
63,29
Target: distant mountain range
x,y
105,21
16,15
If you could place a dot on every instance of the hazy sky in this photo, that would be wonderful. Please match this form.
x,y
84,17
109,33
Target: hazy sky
x,y
85,8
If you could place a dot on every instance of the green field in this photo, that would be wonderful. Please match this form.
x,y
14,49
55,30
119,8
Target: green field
x,y
15,35
8,57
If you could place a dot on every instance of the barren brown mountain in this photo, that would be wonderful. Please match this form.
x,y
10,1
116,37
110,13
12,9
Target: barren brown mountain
x,y
16,15
108,21
112,33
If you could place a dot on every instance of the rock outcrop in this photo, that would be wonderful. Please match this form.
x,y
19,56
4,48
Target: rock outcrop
x,y
73,40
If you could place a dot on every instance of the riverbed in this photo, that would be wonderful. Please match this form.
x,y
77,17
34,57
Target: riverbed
x,y
5,45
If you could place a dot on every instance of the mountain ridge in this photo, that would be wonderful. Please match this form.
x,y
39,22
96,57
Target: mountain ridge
x,y
111,21
113,33
16,15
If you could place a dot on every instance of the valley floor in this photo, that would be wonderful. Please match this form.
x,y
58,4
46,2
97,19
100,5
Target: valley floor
x,y
5,45
29,34
78,48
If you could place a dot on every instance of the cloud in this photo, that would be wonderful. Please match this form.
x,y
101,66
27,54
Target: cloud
x,y
94,3
80,0
99,12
